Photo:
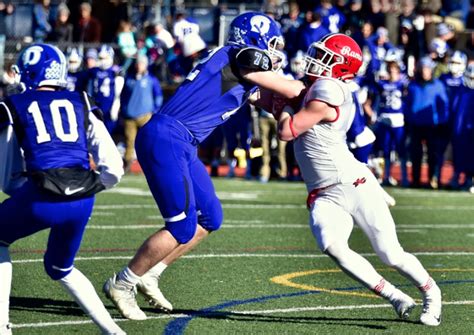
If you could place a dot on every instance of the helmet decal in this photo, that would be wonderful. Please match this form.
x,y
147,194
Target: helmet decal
x,y
260,24
32,55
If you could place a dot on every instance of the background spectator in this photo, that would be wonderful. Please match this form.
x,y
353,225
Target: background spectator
x,y
126,43
88,28
184,25
91,59
427,116
140,98
41,25
6,8
331,18
290,25
312,30
62,31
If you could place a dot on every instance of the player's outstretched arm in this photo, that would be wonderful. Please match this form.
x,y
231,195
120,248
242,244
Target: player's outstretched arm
x,y
274,82
291,126
255,66
104,152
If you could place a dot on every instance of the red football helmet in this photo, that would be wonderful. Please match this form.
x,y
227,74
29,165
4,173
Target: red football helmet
x,y
334,56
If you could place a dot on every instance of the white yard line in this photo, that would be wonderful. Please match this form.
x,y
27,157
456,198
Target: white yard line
x,y
237,312
257,224
291,206
204,256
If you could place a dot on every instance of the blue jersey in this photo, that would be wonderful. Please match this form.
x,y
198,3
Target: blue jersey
x,y
211,93
452,85
51,128
103,87
331,18
391,96
463,114
77,81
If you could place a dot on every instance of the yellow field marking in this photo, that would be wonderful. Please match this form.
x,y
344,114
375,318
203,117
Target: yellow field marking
x,y
286,280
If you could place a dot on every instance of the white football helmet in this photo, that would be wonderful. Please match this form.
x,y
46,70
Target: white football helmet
x,y
106,57
468,77
457,63
74,60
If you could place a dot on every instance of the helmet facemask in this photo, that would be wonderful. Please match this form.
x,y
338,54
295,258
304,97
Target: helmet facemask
x,y
275,50
456,68
320,61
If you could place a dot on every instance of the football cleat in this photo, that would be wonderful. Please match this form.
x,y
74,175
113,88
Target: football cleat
x,y
431,314
148,286
124,298
403,305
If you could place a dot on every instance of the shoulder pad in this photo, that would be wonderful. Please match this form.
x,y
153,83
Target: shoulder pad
x,y
6,117
253,59
331,91
92,106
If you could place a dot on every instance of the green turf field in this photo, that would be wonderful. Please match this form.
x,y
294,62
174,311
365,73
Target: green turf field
x,y
261,273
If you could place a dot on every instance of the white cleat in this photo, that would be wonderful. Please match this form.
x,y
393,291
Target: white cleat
x,y
124,299
6,329
148,286
431,314
403,305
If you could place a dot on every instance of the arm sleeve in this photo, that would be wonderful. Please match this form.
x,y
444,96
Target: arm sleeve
x,y
328,91
105,154
253,59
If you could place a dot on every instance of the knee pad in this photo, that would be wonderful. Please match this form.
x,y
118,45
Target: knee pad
x,y
338,252
391,257
55,272
183,230
210,217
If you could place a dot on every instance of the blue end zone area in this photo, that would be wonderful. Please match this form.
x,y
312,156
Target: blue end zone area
x,y
178,326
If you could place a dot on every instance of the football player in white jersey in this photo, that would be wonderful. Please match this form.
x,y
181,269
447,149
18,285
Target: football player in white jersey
x,y
343,191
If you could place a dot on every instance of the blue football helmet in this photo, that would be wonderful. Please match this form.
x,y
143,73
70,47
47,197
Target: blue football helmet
x,y
257,30
42,65
106,57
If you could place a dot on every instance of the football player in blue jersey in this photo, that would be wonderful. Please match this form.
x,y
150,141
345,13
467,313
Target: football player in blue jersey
x,y
52,184
105,86
76,79
390,124
453,80
463,130
166,148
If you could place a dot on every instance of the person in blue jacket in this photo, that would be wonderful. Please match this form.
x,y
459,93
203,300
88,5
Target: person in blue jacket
x,y
427,117
140,98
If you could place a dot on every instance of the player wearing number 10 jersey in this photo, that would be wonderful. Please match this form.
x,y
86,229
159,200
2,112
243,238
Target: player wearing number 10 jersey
x,y
167,151
52,185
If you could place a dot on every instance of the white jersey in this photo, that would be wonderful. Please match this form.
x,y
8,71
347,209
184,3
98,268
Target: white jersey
x,y
322,152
